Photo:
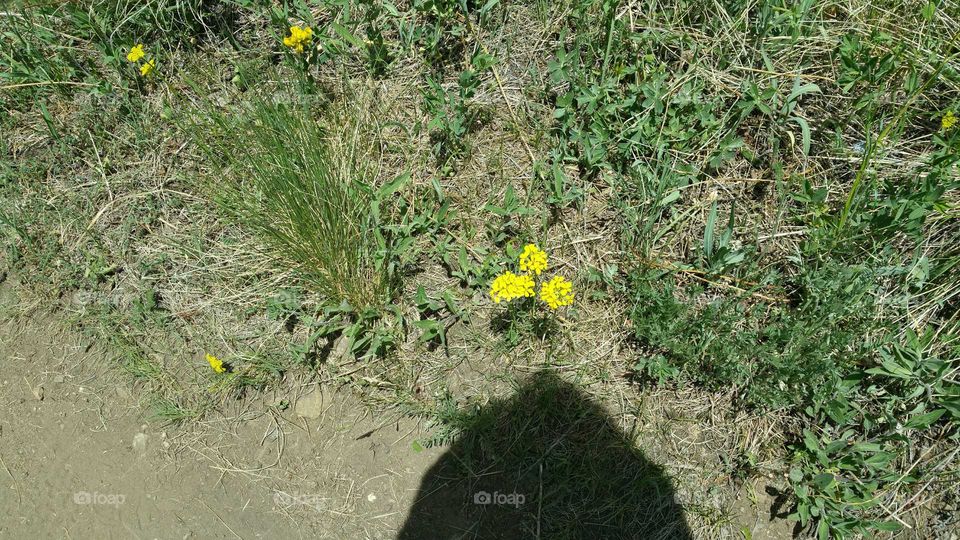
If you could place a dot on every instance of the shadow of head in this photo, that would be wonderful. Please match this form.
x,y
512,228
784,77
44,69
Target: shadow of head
x,y
546,463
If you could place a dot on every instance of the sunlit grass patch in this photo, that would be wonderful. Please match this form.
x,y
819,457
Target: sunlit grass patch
x,y
305,191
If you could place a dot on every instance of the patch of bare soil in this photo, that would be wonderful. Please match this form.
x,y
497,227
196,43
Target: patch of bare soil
x,y
79,458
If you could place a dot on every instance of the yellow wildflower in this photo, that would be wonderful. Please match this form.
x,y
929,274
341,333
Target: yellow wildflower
x,y
557,292
508,286
136,53
949,120
216,363
147,68
299,36
532,259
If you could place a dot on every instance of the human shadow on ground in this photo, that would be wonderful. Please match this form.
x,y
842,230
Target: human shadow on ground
x,y
546,463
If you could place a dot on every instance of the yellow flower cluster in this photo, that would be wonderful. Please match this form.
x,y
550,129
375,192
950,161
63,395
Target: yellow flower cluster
x,y
949,120
147,68
136,54
299,37
557,292
216,364
508,286
533,259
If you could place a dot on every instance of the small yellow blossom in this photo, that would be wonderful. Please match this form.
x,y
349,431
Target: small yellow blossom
x,y
508,286
216,363
949,120
136,53
147,68
557,292
299,37
533,259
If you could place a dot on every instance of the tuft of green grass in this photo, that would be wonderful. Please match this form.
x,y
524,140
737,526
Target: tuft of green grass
x,y
277,172
167,410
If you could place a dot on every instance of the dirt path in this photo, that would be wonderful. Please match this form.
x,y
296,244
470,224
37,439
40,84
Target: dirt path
x,y
78,459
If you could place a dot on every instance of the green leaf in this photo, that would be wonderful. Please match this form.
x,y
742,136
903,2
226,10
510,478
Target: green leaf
x,y
867,447
952,404
708,232
880,459
391,9
793,99
796,475
393,186
431,329
345,34
824,481
421,296
803,510
451,302
488,6
496,210
810,441
925,420
888,526
669,197
804,133
809,88
462,260
417,447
